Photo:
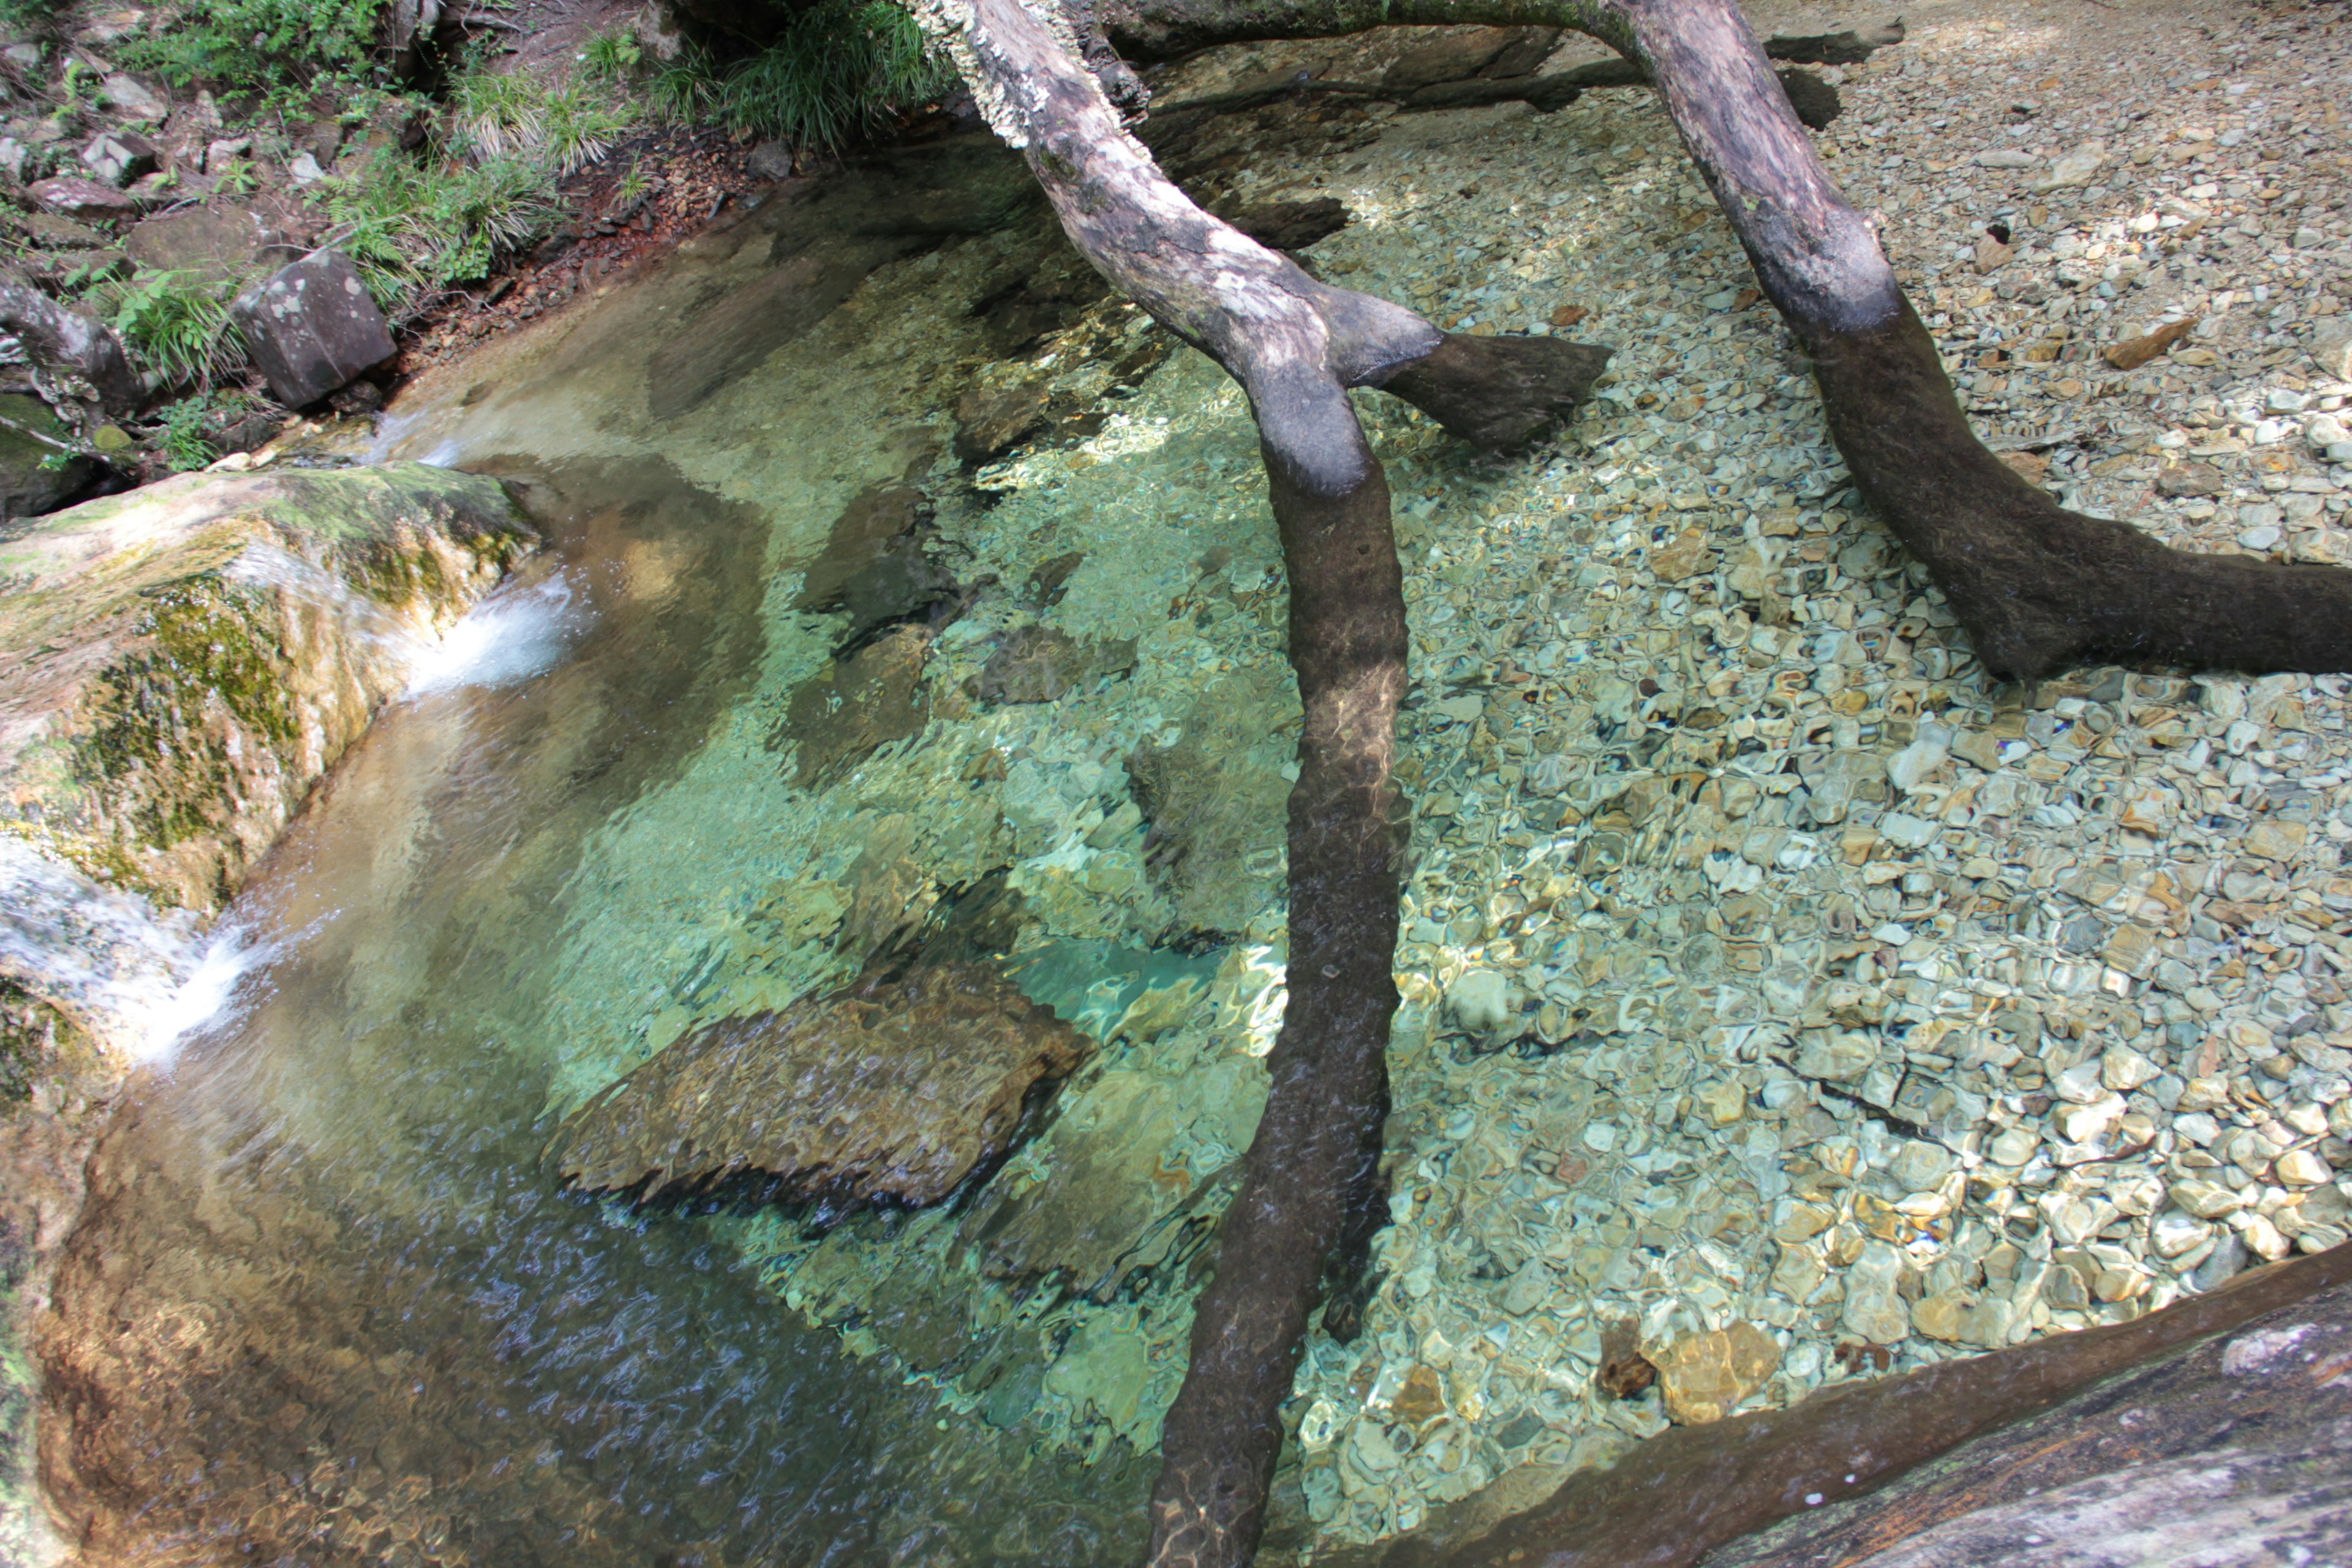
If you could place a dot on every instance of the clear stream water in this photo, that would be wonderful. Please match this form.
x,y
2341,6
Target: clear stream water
x,y
327,1305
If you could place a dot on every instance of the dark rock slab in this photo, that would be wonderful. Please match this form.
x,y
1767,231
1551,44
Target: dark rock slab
x,y
312,328
862,700
2054,1414
895,1090
71,196
1019,313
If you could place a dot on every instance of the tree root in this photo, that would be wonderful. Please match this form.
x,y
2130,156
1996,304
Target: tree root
x,y
2039,587
1499,394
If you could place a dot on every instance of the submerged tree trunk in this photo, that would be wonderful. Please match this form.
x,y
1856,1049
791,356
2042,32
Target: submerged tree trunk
x,y
2036,586
1296,346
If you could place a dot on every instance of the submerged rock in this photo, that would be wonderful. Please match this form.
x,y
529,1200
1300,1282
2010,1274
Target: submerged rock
x,y
856,704
991,421
1038,664
894,1089
1217,799
873,567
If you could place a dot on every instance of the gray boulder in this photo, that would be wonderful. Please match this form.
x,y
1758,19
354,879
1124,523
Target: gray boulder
x,y
312,327
118,157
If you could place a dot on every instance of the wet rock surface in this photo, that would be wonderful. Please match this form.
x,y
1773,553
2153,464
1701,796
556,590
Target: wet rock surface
x,y
856,704
180,663
895,1091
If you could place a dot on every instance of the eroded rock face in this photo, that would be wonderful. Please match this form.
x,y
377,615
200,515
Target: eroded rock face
x,y
177,667
177,664
894,1090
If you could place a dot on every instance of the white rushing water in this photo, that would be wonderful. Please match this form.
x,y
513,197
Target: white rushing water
x,y
141,979
510,636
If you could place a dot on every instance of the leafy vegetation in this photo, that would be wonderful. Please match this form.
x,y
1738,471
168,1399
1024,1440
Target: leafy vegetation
x,y
278,47
184,440
564,123
178,323
842,69
418,226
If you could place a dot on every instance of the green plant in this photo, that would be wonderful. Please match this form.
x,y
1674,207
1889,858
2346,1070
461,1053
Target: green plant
x,y
841,67
284,47
178,323
77,88
412,226
183,439
565,122
611,56
236,180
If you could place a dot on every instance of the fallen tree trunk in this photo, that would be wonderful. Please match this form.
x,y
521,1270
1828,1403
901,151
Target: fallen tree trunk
x,y
1295,345
2036,586
60,341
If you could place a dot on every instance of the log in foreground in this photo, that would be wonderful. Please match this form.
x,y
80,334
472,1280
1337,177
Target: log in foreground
x,y
1296,346
2033,1418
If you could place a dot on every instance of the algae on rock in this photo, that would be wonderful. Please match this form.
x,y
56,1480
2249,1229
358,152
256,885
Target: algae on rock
x,y
178,666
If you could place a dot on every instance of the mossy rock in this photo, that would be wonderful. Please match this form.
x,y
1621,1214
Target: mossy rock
x,y
179,664
30,483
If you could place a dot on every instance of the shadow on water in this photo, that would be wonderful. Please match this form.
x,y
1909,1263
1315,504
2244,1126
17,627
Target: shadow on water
x,y
327,1307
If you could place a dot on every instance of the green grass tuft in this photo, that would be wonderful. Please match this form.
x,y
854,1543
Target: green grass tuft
x,y
843,69
178,322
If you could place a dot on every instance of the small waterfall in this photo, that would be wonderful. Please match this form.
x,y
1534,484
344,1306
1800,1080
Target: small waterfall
x,y
138,979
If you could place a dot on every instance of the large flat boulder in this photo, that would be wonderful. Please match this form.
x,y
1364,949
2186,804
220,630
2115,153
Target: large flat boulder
x,y
894,1090
312,328
218,242
179,664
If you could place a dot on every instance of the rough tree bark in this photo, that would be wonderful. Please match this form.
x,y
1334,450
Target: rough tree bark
x,y
59,340
2036,586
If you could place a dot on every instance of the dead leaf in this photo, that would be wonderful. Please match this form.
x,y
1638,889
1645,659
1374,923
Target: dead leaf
x,y
2133,353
